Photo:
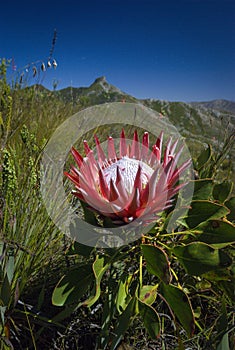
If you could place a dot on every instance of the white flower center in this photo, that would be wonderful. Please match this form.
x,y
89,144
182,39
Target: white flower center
x,y
128,169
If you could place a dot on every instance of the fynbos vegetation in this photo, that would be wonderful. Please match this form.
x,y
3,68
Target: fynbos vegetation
x,y
169,289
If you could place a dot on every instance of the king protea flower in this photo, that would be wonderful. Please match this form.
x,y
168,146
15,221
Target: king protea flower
x,y
131,183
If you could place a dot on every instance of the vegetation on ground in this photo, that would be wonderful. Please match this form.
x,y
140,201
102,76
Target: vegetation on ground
x,y
169,290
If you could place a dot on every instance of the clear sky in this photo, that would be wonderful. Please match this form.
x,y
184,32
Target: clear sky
x,y
182,50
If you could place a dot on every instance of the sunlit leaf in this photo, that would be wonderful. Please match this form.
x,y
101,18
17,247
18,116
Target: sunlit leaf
x,y
199,258
123,297
148,294
10,267
157,262
179,303
217,232
203,211
73,286
99,268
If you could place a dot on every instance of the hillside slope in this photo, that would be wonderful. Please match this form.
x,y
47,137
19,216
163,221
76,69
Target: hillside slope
x,y
100,91
220,105
197,121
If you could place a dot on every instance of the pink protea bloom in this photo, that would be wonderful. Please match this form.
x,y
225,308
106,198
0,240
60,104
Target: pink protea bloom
x,y
135,183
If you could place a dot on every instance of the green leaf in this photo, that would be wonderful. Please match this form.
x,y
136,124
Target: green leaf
x,y
2,246
157,262
203,211
202,285
148,294
151,319
41,297
123,297
222,328
222,191
202,189
1,120
222,322
5,291
199,258
224,344
98,269
73,286
179,303
204,157
230,204
10,267
123,323
217,232
174,216
2,313
219,275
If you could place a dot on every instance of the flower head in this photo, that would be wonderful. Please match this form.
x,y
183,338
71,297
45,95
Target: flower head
x,y
131,183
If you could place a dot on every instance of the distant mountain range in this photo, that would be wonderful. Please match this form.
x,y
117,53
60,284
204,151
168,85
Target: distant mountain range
x,y
199,122
101,89
220,105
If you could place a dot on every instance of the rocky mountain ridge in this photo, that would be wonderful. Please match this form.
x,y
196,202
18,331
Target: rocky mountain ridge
x,y
220,105
100,87
200,122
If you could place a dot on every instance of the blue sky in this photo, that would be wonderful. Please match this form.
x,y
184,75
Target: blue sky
x,y
174,50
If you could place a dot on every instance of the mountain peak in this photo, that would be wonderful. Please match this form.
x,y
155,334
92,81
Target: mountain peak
x,y
101,84
100,80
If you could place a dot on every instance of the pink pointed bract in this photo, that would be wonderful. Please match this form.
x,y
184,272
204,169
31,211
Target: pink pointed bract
x,y
130,182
